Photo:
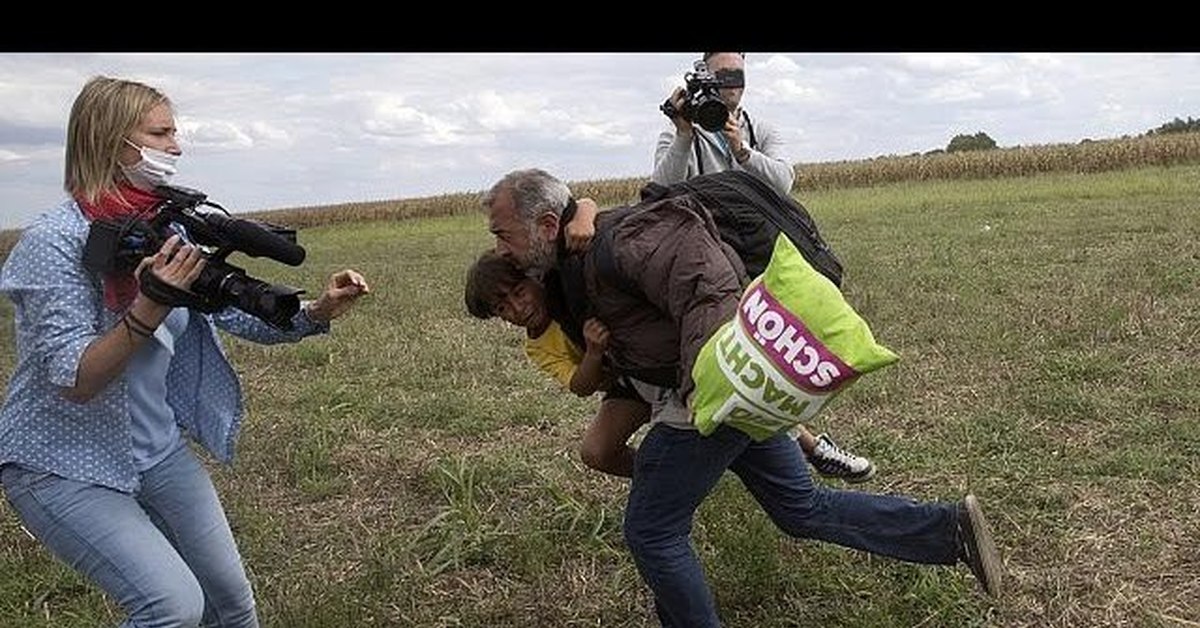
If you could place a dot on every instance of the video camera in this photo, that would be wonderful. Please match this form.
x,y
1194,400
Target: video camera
x,y
118,246
702,103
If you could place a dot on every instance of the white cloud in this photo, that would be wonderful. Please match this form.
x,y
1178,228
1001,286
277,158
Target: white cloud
x,y
267,133
1041,60
423,163
398,124
393,120
952,92
496,112
787,90
217,134
942,62
36,92
775,63
598,135
45,154
389,115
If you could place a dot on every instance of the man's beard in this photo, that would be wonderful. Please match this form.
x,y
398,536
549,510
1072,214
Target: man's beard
x,y
541,257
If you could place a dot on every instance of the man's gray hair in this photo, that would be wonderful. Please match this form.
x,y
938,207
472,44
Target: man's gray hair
x,y
534,191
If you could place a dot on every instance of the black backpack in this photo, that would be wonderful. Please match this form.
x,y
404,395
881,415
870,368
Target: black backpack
x,y
748,213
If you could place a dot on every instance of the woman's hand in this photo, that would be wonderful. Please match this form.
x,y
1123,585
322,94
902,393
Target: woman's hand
x,y
176,263
343,290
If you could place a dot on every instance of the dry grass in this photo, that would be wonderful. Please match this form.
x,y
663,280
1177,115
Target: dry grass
x,y
412,469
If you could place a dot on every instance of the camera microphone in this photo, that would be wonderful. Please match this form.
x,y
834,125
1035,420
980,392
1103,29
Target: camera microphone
x,y
255,240
251,237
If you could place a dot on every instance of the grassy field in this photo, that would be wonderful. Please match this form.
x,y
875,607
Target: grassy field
x,y
412,469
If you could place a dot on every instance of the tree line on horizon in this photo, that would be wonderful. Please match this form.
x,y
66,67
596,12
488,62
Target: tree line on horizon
x,y
982,141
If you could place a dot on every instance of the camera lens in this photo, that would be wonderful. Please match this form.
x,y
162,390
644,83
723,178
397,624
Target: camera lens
x,y
711,114
225,284
274,304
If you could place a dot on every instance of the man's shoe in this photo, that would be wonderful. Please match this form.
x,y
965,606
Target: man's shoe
x,y
832,461
976,547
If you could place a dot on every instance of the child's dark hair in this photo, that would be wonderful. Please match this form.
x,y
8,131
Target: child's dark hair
x,y
488,279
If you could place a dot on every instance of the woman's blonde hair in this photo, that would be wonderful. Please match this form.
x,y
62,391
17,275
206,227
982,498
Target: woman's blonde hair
x,y
105,113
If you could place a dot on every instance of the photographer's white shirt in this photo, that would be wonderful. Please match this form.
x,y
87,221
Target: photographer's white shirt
x,y
677,160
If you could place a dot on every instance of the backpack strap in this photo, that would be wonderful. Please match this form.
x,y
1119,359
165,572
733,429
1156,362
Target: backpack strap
x,y
696,142
602,256
566,290
750,128
556,283
566,286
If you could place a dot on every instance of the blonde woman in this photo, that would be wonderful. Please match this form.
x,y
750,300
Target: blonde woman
x,y
111,384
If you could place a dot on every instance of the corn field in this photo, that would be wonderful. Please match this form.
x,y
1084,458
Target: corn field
x,y
1086,156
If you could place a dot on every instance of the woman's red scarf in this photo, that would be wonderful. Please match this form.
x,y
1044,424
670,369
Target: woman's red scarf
x,y
119,289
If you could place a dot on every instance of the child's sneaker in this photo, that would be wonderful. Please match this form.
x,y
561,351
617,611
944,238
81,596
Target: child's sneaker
x,y
832,461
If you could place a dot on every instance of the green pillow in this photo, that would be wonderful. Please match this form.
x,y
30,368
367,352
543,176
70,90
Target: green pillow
x,y
794,344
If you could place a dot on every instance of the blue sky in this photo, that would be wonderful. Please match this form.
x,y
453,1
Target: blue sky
x,y
275,130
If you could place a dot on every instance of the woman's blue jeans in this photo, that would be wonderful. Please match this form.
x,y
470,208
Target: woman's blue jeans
x,y
164,554
675,470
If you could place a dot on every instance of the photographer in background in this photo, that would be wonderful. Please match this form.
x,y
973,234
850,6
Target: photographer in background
x,y
686,149
110,384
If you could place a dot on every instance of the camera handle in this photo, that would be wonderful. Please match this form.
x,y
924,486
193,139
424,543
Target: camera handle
x,y
164,293
668,109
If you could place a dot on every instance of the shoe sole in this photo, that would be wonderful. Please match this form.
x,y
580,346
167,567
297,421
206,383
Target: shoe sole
x,y
989,558
860,478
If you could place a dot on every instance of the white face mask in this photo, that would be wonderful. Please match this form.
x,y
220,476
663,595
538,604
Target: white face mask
x,y
155,168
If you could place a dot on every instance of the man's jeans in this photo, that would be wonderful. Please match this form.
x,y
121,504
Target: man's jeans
x,y
165,554
675,469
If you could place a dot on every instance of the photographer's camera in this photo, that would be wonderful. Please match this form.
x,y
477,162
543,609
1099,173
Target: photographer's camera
x,y
119,246
702,103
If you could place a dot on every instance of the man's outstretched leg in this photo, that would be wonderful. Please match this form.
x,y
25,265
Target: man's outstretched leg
x,y
888,525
